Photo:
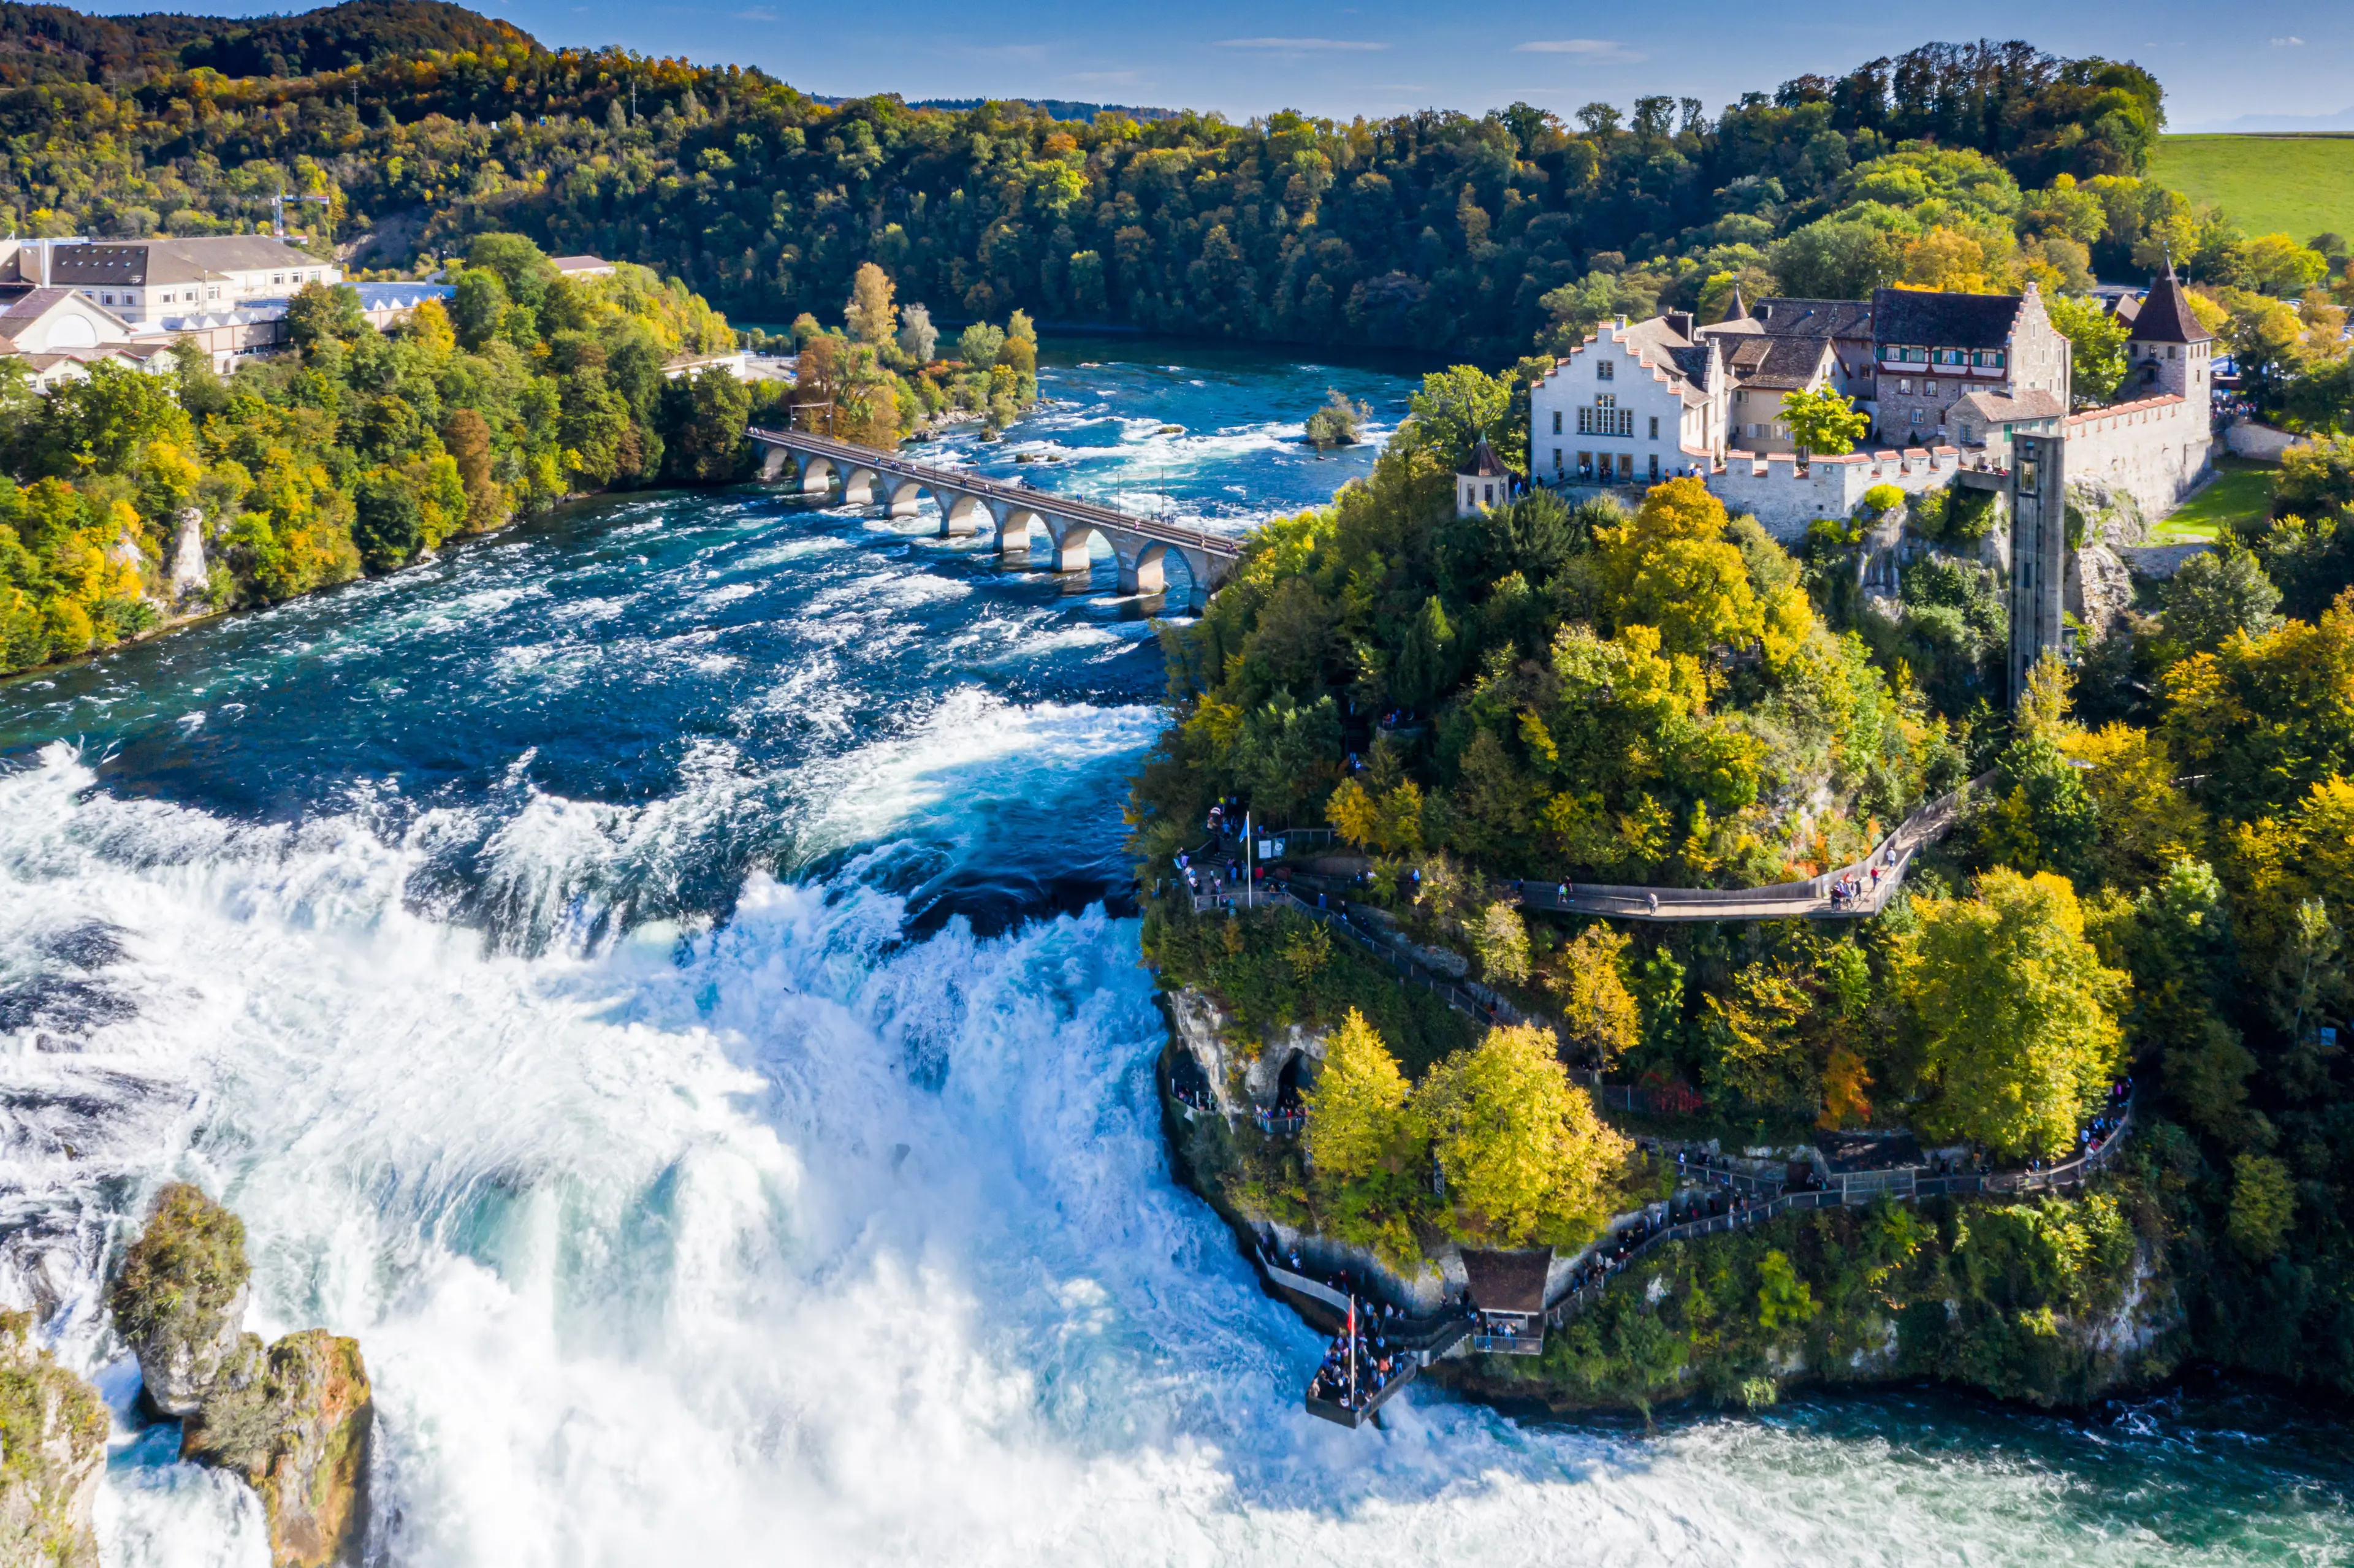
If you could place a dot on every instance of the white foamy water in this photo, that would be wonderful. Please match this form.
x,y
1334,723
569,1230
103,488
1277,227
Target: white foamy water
x,y
796,1241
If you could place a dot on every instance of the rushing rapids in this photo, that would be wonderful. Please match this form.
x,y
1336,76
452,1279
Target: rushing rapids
x,y
658,979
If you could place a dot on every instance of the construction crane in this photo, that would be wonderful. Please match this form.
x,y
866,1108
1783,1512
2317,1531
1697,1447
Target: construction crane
x,y
278,210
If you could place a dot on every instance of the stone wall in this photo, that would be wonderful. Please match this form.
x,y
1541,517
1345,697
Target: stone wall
x,y
2247,438
2157,451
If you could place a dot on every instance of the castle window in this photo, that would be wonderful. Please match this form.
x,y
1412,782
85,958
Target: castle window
x,y
1556,421
1603,370
1655,430
1606,418
1928,389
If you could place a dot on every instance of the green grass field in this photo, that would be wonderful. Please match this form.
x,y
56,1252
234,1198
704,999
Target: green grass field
x,y
2243,490
2297,185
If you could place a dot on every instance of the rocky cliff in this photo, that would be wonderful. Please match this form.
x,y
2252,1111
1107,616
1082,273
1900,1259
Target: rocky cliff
x,y
52,1450
293,1418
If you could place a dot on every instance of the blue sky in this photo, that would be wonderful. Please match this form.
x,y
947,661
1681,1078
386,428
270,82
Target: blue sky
x,y
2286,57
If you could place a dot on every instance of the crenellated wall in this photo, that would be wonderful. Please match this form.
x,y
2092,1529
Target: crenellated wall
x,y
1788,499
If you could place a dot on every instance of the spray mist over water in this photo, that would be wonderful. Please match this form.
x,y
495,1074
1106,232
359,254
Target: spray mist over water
x,y
652,982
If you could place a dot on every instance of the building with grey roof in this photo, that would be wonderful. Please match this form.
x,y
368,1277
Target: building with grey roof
x,y
147,280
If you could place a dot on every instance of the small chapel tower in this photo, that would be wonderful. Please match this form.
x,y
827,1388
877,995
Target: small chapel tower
x,y
1487,484
2169,350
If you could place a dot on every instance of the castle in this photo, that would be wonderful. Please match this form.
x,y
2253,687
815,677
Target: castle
x,y
1947,380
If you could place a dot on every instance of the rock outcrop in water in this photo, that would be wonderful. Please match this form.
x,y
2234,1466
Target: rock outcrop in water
x,y
180,1298
52,1451
293,1419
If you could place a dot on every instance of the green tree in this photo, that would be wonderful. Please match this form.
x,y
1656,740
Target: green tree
x,y
1426,660
2215,594
389,523
2264,1202
2015,1014
704,420
1822,423
1455,409
478,307
1523,1155
2097,358
980,345
1336,424
321,311
1502,942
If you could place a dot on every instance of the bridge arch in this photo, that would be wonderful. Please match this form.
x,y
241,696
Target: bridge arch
x,y
859,486
1146,571
908,497
1071,539
961,513
817,475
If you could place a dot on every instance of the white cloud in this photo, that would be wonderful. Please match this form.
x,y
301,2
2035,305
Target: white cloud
x,y
2288,43
1302,46
1603,51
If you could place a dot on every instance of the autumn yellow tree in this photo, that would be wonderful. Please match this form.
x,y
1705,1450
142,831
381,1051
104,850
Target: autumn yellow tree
x,y
1670,567
1524,1157
871,315
1364,1144
2015,1013
1590,977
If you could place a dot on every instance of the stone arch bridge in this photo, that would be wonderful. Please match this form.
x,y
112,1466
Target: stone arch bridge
x,y
863,476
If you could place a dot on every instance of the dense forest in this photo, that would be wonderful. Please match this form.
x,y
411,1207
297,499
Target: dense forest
x,y
1477,235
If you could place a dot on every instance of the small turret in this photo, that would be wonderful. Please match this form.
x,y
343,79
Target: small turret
x,y
1486,483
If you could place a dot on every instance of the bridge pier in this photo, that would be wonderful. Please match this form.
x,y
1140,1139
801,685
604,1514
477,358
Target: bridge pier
x,y
1014,534
907,498
858,486
1071,548
772,463
1141,571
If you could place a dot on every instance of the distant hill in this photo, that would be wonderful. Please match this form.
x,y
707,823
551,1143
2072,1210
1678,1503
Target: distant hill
x,y
2299,185
1059,107
50,43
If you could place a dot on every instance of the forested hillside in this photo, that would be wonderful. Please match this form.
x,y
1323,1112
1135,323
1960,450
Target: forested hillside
x,y
50,43
1435,229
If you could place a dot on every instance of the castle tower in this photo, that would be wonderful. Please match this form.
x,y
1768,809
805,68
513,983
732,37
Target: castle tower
x,y
2169,351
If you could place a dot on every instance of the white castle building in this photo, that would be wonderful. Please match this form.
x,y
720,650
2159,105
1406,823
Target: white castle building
x,y
1947,379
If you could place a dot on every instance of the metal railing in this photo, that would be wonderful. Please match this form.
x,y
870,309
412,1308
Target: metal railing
x,y
2071,1173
